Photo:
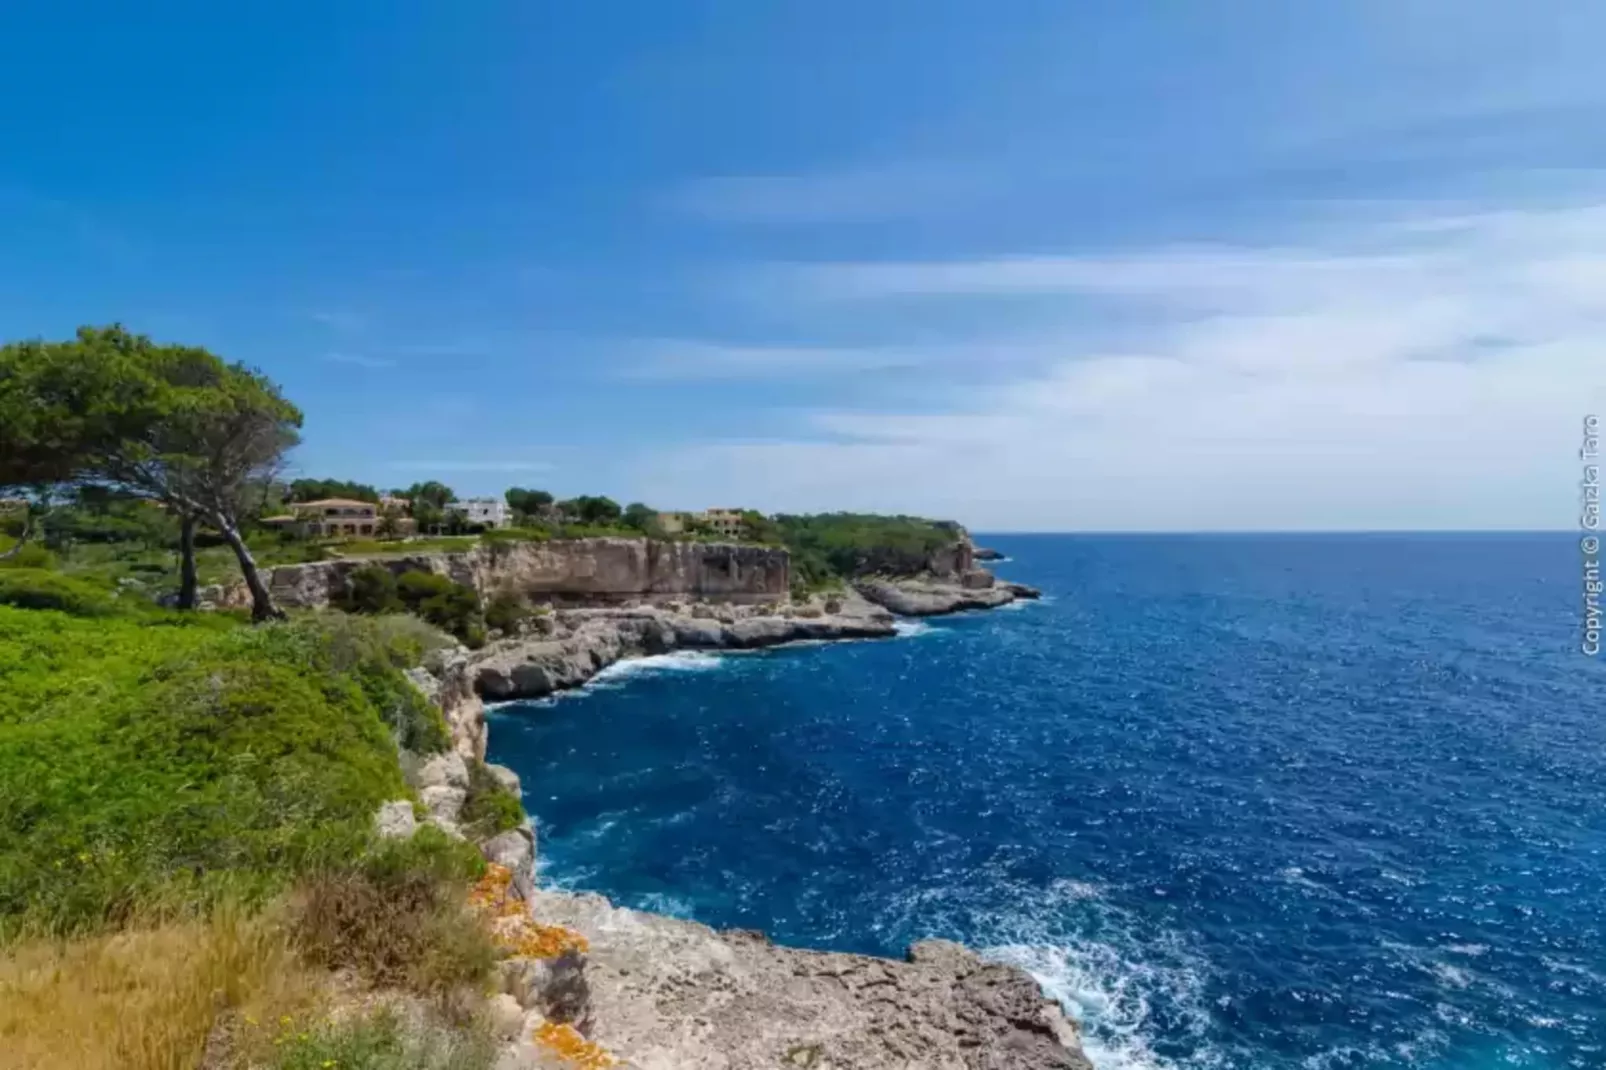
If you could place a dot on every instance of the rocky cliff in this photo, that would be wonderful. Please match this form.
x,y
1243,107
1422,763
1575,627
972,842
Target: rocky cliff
x,y
666,994
571,646
927,596
568,571
643,991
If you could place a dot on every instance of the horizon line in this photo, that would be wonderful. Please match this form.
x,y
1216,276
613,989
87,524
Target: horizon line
x,y
1278,531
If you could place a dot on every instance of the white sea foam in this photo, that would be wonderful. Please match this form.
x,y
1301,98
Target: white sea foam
x,y
1112,992
680,661
912,629
1109,974
664,903
600,829
1453,976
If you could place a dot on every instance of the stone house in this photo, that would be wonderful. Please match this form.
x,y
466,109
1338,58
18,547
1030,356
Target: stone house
x,y
332,518
727,522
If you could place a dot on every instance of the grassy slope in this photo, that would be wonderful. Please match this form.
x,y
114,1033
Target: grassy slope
x,y
163,777
153,761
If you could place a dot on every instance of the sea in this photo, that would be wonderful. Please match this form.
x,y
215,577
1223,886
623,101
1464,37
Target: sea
x,y
1239,801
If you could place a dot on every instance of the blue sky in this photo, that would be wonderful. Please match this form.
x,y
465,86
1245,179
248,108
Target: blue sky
x,y
1032,265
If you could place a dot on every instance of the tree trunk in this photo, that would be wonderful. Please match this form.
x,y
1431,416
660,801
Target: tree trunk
x,y
187,582
22,540
262,607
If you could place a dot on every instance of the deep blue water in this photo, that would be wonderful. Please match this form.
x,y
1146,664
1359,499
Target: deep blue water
x,y
1252,802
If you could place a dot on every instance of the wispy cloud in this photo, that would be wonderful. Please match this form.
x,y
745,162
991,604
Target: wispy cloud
x,y
669,360
854,195
1426,372
473,466
359,360
339,320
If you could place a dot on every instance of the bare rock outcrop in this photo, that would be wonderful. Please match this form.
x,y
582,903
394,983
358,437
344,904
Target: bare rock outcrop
x,y
666,994
566,571
928,596
658,993
581,643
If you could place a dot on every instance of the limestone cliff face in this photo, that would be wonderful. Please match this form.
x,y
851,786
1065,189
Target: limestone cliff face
x,y
570,571
954,560
949,561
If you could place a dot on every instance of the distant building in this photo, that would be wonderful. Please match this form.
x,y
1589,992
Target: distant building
x,y
489,512
332,517
727,522
672,523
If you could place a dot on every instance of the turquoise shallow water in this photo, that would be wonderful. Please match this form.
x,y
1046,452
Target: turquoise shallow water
x,y
1258,802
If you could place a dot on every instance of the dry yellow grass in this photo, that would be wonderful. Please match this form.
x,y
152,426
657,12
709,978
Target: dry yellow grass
x,y
145,998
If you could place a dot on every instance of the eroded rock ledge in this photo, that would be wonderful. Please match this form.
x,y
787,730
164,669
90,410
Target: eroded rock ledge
x,y
659,993
666,994
569,647
930,596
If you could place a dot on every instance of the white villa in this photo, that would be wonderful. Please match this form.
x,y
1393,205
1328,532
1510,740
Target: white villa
x,y
491,512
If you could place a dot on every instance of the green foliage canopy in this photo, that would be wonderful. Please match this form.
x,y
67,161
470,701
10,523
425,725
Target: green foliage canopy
x,y
432,493
829,545
527,503
640,517
592,509
312,490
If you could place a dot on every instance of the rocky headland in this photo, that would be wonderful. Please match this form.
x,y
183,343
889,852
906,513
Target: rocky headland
x,y
565,648
642,990
668,994
933,596
634,989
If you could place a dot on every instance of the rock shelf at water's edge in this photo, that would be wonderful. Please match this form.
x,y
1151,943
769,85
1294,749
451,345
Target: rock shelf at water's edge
x,y
660,993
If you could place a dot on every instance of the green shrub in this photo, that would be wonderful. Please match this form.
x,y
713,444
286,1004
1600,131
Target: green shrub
x,y
830,545
163,769
415,586
399,917
381,1041
530,531
507,611
32,588
34,555
454,607
489,807
370,650
370,589
410,638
